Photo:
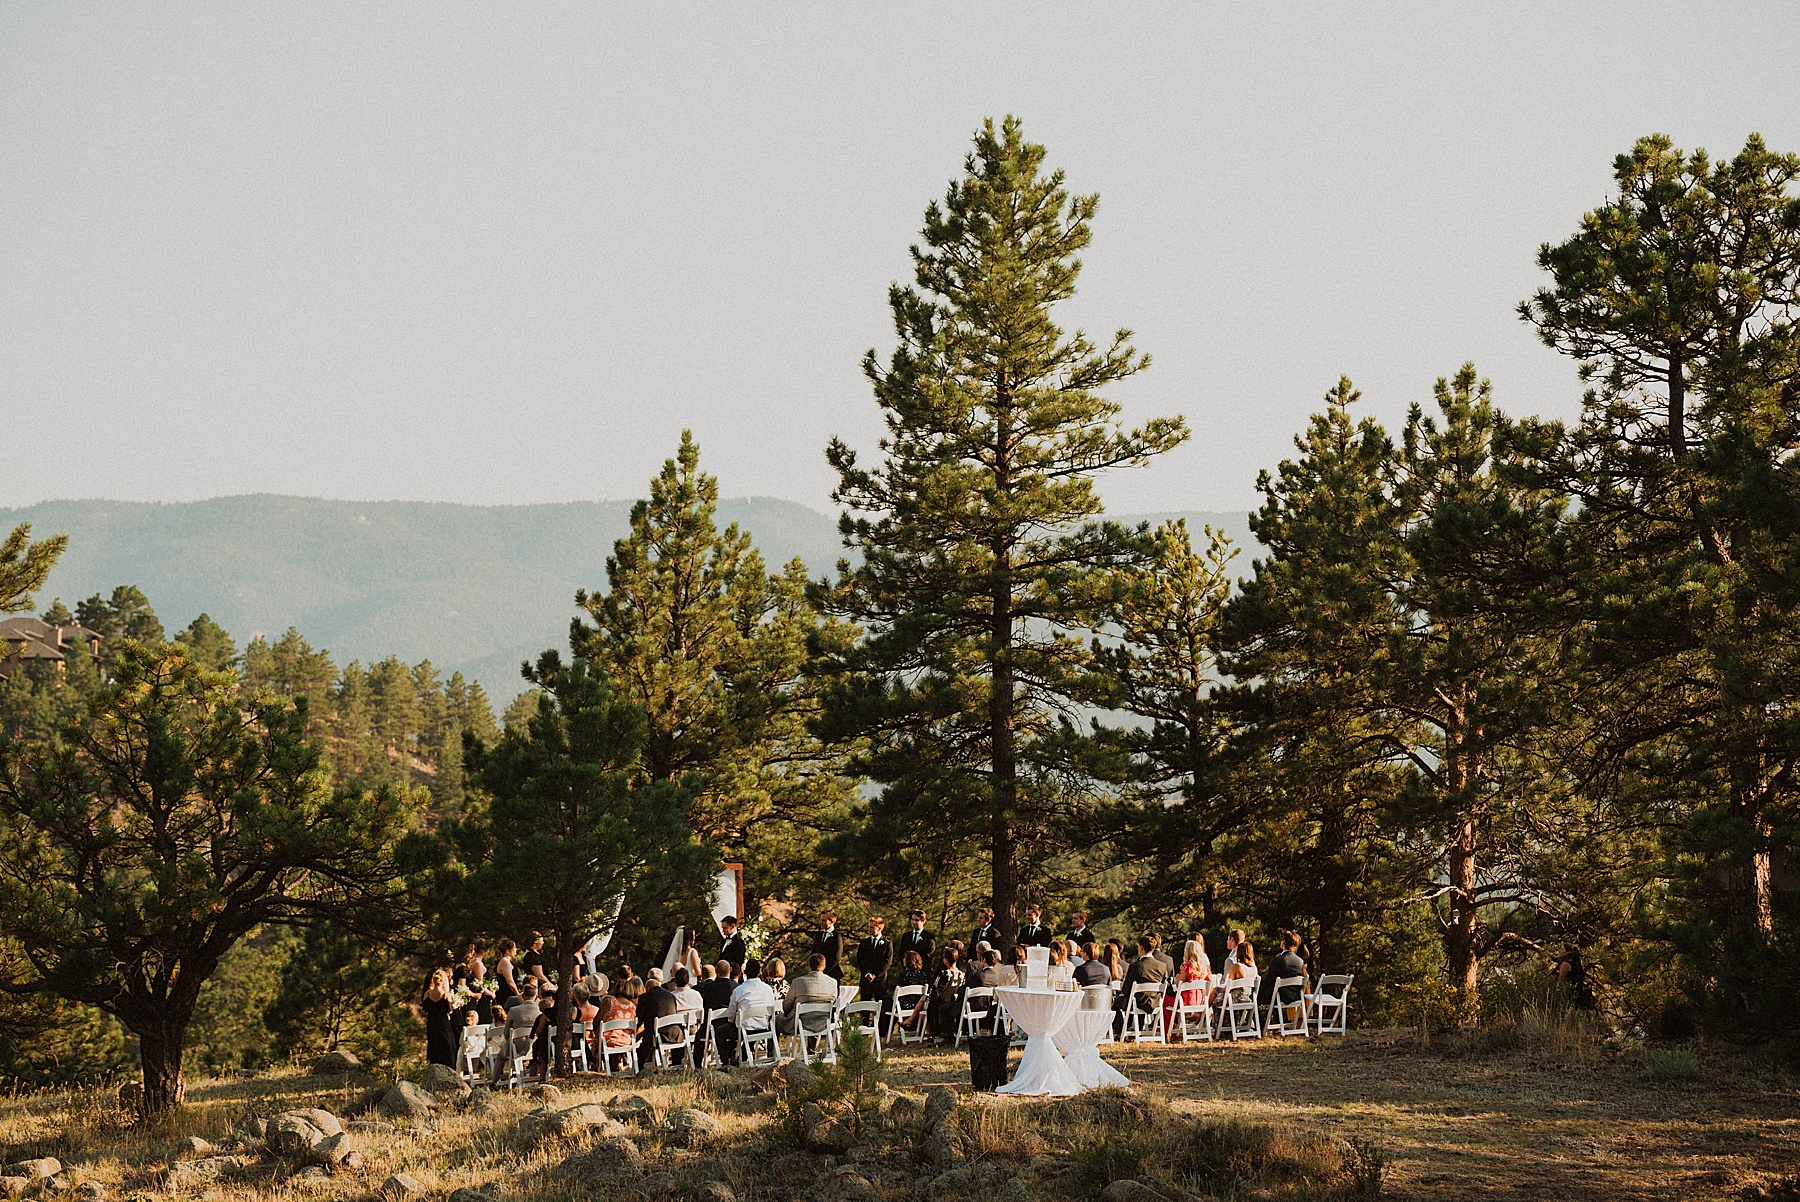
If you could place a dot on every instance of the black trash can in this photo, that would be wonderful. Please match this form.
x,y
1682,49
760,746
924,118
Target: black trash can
x,y
988,1069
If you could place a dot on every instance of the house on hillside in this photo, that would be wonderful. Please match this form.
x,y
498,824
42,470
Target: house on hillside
x,y
27,638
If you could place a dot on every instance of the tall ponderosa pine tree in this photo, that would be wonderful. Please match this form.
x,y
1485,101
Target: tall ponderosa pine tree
x,y
1678,298
713,648
983,565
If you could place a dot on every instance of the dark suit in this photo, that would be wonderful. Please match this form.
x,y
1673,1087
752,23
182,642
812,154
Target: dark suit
x,y
829,944
1168,963
916,941
1037,935
1092,972
658,1003
734,951
1143,970
1082,936
989,934
1285,964
873,959
716,995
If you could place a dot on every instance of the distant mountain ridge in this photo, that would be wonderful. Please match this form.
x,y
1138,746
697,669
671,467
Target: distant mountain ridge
x,y
473,588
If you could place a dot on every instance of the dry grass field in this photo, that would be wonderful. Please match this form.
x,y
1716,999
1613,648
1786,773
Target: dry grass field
x,y
1530,1116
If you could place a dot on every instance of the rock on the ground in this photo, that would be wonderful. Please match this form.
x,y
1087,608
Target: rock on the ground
x,y
544,1092
403,1185
575,1118
336,1063
632,1108
1017,1190
89,1191
190,1147
656,1185
690,1127
34,1170
404,1100
312,1172
789,1074
324,1120
940,1100
131,1095
825,1132
185,1174
330,1151
595,1168
941,1149
794,1167
13,1187
288,1134
442,1081
711,1191
1130,1189
844,1185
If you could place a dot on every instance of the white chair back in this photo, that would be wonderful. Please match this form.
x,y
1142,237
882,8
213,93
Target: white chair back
x,y
865,1017
1286,1012
906,1000
1238,1014
756,1030
1331,1004
1144,1014
978,1008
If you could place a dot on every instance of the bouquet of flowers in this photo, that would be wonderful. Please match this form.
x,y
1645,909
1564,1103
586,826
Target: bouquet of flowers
x,y
757,934
460,997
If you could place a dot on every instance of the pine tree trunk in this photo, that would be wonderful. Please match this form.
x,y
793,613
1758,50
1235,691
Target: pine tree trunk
x,y
1460,951
160,1044
565,1004
1752,883
1003,847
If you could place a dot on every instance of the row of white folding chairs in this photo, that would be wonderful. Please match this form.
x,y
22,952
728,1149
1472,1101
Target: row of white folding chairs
x,y
1324,1010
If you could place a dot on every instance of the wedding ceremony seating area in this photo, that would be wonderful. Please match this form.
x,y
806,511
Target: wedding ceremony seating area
x,y
1060,999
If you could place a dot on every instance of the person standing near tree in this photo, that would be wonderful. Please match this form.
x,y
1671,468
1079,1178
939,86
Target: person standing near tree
x,y
917,939
733,948
874,956
828,941
1034,933
985,930
1079,934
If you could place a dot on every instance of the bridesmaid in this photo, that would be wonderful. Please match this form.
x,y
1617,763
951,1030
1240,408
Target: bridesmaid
x,y
440,1040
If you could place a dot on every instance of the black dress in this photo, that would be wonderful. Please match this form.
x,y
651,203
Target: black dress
x,y
440,1044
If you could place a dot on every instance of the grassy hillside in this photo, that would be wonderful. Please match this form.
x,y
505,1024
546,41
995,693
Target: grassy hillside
x,y
471,587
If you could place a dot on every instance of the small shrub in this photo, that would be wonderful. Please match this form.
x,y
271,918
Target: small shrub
x,y
1367,1160
1674,1064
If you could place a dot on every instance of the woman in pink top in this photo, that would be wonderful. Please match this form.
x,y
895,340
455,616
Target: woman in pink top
x,y
1191,981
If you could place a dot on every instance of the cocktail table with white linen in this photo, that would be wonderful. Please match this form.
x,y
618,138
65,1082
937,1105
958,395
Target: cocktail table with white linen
x,y
1040,1013
1079,1042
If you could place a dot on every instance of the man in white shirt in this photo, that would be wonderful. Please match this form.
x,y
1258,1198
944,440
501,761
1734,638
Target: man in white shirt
x,y
753,992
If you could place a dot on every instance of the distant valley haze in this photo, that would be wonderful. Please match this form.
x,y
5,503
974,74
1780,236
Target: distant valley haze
x,y
473,588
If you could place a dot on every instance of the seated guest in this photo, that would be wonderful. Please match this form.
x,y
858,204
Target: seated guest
x,y
686,996
945,998
524,1010
1232,942
658,1003
912,971
989,974
1190,981
816,986
753,991
1162,957
1113,957
620,1005
775,973
581,995
1243,959
1093,970
1060,976
1145,970
716,990
1287,963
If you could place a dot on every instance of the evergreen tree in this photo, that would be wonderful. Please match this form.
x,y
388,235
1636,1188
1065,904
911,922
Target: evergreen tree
x,y
291,669
208,645
1677,299
983,562
570,824
58,614
339,989
124,615
24,564
165,826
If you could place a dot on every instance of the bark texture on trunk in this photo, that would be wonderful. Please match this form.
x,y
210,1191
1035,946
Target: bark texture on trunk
x,y
159,1053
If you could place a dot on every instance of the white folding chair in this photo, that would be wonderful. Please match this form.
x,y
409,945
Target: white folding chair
x,y
974,1017
517,1054
471,1052
672,1034
1192,1014
1287,1018
865,1017
846,995
749,1040
905,999
1238,1013
711,1057
815,1030
629,1051
578,1052
1331,1004
1141,1025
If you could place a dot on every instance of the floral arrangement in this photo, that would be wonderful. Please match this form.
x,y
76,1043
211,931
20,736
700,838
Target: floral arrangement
x,y
757,935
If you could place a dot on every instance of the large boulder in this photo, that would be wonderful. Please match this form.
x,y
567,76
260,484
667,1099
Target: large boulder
x,y
336,1063
788,1075
575,1118
632,1108
292,1132
825,1131
34,1170
690,1128
594,1169
404,1100
191,1147
331,1151
190,1174
442,1081
844,1185
402,1186
940,1100
544,1092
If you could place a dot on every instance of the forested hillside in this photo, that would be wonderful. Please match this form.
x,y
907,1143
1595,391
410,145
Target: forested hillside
x,y
475,589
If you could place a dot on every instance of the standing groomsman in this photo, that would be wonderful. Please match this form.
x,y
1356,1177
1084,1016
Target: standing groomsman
x,y
917,939
985,930
1034,933
733,950
829,942
874,956
1080,935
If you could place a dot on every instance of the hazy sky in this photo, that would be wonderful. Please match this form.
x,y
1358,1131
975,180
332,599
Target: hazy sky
x,y
504,253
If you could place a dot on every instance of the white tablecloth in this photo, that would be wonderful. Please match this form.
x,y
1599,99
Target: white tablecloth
x,y
1079,1042
1040,1013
